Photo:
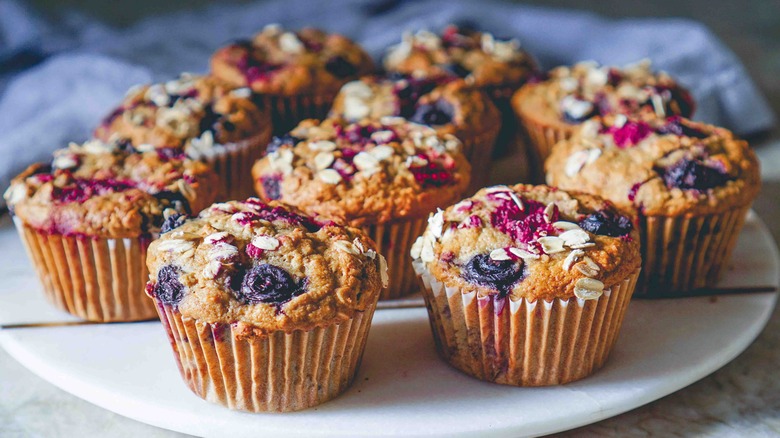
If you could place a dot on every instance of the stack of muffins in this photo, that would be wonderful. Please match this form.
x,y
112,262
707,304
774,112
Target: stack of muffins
x,y
267,301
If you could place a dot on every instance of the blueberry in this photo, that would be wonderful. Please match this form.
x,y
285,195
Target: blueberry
x,y
677,126
607,223
498,274
692,175
271,186
439,112
270,284
341,68
168,289
284,140
172,222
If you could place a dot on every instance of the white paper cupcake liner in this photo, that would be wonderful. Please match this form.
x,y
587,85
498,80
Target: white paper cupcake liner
x,y
394,241
281,372
685,253
93,278
233,165
524,343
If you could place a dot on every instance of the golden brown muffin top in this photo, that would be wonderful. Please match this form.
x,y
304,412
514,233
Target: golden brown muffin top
x,y
98,189
529,242
369,172
571,95
665,167
447,105
280,62
199,116
479,58
265,267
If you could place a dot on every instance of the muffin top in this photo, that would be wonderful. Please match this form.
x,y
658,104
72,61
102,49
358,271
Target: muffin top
x,y
103,190
665,167
196,115
265,267
529,242
571,95
368,172
449,106
477,57
280,62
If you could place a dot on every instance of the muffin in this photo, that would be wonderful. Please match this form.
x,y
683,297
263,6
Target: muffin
x,y
266,309
691,183
384,176
552,109
87,217
449,106
498,67
198,117
295,75
527,285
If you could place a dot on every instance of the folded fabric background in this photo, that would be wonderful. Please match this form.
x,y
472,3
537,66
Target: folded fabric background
x,y
59,79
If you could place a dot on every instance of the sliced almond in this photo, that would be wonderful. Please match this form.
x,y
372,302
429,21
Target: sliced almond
x,y
588,289
268,243
322,145
574,237
436,223
329,176
499,254
551,244
566,226
523,254
323,160
572,258
588,267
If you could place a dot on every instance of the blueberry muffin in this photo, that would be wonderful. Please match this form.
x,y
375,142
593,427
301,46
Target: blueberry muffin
x,y
198,117
87,218
295,75
551,109
382,175
266,309
449,106
496,66
527,285
691,183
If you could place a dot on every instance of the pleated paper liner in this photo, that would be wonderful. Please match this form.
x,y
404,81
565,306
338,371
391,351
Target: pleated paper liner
x,y
394,240
478,149
524,343
234,165
95,279
282,372
288,111
685,253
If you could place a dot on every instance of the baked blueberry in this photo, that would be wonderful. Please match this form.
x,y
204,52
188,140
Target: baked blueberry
x,y
173,221
607,223
693,175
497,274
270,284
168,289
439,112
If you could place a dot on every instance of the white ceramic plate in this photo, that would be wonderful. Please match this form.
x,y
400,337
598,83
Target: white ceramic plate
x,y
403,387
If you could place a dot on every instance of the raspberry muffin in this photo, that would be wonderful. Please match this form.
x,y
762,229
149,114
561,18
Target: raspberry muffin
x,y
296,75
382,175
198,117
691,183
266,309
449,106
551,109
527,285
87,217
496,66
